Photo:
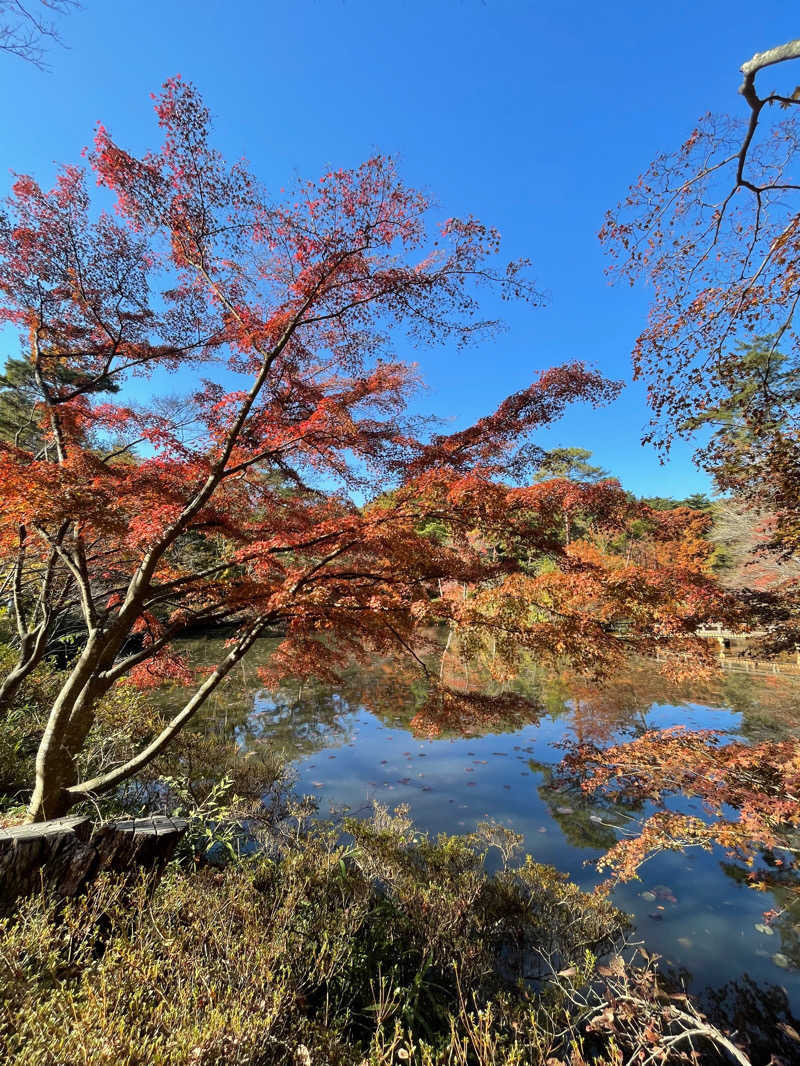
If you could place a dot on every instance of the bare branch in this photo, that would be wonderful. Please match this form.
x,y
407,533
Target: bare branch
x,y
26,29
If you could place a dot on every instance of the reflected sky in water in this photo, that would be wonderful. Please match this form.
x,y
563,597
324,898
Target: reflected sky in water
x,y
378,736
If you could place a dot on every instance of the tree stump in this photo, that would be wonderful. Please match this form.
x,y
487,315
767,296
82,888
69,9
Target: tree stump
x,y
63,856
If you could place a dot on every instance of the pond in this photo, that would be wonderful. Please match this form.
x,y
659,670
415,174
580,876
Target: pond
x,y
375,737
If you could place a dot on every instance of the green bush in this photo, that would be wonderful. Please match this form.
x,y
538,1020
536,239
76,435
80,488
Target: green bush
x,y
21,728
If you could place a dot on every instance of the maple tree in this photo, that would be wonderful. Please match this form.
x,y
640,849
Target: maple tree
x,y
714,227
743,559
749,794
242,504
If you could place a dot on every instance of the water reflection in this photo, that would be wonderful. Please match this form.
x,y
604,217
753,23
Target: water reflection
x,y
466,700
763,1017
584,821
474,745
780,937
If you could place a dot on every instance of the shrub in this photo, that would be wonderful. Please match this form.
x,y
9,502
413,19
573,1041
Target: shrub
x,y
342,949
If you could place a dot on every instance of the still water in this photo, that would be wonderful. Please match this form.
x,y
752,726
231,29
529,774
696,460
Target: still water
x,y
375,738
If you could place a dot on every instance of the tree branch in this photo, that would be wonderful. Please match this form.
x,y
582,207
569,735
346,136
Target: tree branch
x,y
107,781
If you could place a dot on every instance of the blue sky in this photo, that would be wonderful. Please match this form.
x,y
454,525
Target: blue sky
x,y
533,116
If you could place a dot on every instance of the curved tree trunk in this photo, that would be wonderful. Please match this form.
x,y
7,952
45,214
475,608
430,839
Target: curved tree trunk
x,y
57,789
55,759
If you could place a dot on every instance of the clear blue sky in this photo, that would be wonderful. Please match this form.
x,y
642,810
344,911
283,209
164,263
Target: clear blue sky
x,y
532,116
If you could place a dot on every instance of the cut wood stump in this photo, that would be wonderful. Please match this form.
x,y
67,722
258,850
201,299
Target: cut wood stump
x,y
64,856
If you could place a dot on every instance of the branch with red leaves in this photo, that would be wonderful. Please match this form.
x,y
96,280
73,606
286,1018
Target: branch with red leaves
x,y
749,795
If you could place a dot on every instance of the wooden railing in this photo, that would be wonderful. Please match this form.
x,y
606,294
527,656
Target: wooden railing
x,y
757,667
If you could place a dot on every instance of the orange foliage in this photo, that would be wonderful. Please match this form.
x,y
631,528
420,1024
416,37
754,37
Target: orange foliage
x,y
750,795
240,506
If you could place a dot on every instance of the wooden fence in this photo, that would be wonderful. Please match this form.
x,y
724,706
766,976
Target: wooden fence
x,y
756,667
759,667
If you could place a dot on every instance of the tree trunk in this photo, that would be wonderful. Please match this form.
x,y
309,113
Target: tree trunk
x,y
11,684
57,789
55,764
65,855
55,772
69,722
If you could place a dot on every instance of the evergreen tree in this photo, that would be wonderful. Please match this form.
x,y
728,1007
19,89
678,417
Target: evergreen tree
x,y
570,463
